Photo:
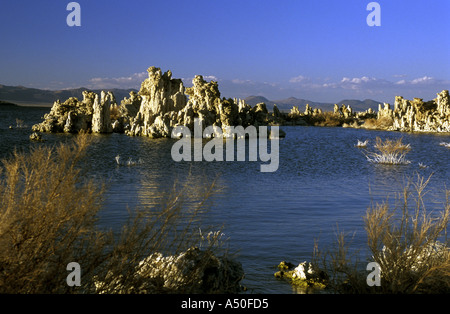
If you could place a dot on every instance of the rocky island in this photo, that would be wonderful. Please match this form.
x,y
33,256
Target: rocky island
x,y
163,103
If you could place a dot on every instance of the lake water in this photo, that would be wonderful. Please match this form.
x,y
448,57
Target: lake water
x,y
323,181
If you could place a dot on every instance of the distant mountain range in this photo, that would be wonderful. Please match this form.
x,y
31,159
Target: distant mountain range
x,y
287,104
41,97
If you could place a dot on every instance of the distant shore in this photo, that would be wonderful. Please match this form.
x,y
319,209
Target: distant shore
x,y
7,103
25,103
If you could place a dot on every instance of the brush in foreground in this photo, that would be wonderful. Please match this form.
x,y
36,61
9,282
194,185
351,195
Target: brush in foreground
x,y
408,243
48,219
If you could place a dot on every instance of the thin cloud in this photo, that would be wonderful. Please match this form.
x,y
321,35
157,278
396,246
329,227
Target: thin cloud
x,y
132,81
299,79
187,81
317,89
425,80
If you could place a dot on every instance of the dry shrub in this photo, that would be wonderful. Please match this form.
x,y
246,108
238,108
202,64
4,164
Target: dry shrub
x,y
47,216
389,146
389,151
327,118
153,238
378,124
341,265
48,219
410,247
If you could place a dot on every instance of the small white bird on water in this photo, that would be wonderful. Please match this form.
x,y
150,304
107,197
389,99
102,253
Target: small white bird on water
x,y
362,144
130,161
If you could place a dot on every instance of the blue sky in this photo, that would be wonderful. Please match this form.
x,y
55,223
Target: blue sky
x,y
322,50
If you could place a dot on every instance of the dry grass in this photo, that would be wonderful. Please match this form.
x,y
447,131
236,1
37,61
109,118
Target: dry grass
x,y
382,123
45,222
389,151
407,242
48,218
327,118
410,248
341,265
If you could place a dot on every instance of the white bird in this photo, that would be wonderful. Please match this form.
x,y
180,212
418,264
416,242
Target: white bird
x,y
362,144
130,161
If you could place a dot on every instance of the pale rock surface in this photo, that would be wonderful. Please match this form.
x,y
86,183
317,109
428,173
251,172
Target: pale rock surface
x,y
101,117
192,271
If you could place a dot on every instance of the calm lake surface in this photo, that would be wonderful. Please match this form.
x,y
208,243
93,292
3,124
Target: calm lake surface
x,y
323,183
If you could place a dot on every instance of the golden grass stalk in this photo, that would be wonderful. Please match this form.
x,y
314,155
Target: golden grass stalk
x,y
408,243
49,218
392,152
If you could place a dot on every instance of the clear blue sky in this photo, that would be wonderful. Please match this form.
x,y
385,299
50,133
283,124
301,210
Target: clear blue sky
x,y
321,50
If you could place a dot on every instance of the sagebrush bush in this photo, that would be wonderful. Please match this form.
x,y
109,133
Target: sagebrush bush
x,y
410,246
392,152
381,123
47,216
327,118
408,243
48,219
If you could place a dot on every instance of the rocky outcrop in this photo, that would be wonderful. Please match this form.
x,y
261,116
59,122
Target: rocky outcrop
x,y
70,116
36,137
407,115
163,103
161,97
192,271
416,115
101,117
304,277
420,116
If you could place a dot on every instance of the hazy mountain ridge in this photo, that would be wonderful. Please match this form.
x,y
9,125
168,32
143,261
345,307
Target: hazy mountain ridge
x,y
26,95
288,103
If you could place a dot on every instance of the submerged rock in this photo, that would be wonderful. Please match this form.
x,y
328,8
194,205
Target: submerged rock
x,y
192,271
36,137
305,276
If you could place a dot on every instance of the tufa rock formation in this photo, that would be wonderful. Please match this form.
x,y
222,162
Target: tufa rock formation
x,y
415,115
101,116
193,271
70,116
420,116
305,277
163,103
